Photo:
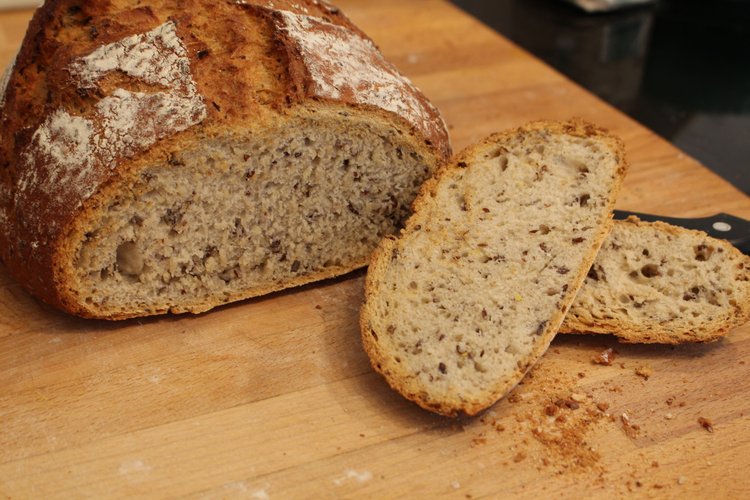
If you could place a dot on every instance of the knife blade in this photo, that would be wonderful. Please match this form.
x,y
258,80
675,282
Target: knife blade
x,y
735,230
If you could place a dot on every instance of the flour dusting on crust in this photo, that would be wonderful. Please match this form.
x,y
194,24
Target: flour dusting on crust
x,y
79,152
157,57
344,65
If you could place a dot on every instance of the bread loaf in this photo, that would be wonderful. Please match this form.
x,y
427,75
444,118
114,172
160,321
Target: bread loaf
x,y
657,283
469,296
175,156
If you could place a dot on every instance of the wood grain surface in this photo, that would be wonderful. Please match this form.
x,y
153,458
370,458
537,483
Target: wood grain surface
x,y
274,397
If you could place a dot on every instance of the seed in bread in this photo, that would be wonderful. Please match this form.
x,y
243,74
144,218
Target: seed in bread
x,y
469,296
657,283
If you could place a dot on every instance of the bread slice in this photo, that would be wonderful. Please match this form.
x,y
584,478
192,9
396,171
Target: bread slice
x,y
657,283
160,158
469,296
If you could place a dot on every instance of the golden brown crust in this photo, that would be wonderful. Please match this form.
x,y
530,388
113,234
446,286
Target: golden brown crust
x,y
247,75
654,333
408,388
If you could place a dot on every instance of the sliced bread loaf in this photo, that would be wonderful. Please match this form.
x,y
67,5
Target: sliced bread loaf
x,y
163,157
657,283
470,295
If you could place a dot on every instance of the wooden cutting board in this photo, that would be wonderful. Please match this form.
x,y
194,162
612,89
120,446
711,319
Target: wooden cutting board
x,y
274,397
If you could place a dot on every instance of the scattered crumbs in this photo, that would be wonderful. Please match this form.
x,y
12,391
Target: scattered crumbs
x,y
479,440
606,357
638,484
519,457
514,397
706,423
581,375
568,403
318,306
601,406
622,365
577,397
654,463
669,416
681,480
669,401
455,485
658,486
644,371
742,361
630,429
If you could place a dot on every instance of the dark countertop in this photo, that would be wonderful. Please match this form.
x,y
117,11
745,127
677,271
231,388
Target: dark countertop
x,y
680,67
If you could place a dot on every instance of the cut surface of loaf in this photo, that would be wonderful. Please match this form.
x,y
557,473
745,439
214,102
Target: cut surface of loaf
x,y
176,157
658,283
469,296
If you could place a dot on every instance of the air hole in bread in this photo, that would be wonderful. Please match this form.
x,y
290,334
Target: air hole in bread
x,y
494,153
650,270
703,252
129,259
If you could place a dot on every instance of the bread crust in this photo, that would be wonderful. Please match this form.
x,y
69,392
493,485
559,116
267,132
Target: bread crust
x,y
580,320
464,406
250,73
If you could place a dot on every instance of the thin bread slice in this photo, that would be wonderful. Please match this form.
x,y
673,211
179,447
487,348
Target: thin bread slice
x,y
657,283
469,296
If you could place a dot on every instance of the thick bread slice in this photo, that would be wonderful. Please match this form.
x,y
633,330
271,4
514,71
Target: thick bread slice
x,y
470,295
657,283
175,156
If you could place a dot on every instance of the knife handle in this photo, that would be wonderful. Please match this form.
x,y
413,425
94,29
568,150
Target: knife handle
x,y
723,226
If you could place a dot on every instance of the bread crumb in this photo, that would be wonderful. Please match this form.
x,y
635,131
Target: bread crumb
x,y
577,397
479,440
519,457
681,480
455,485
644,371
606,357
630,429
706,423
